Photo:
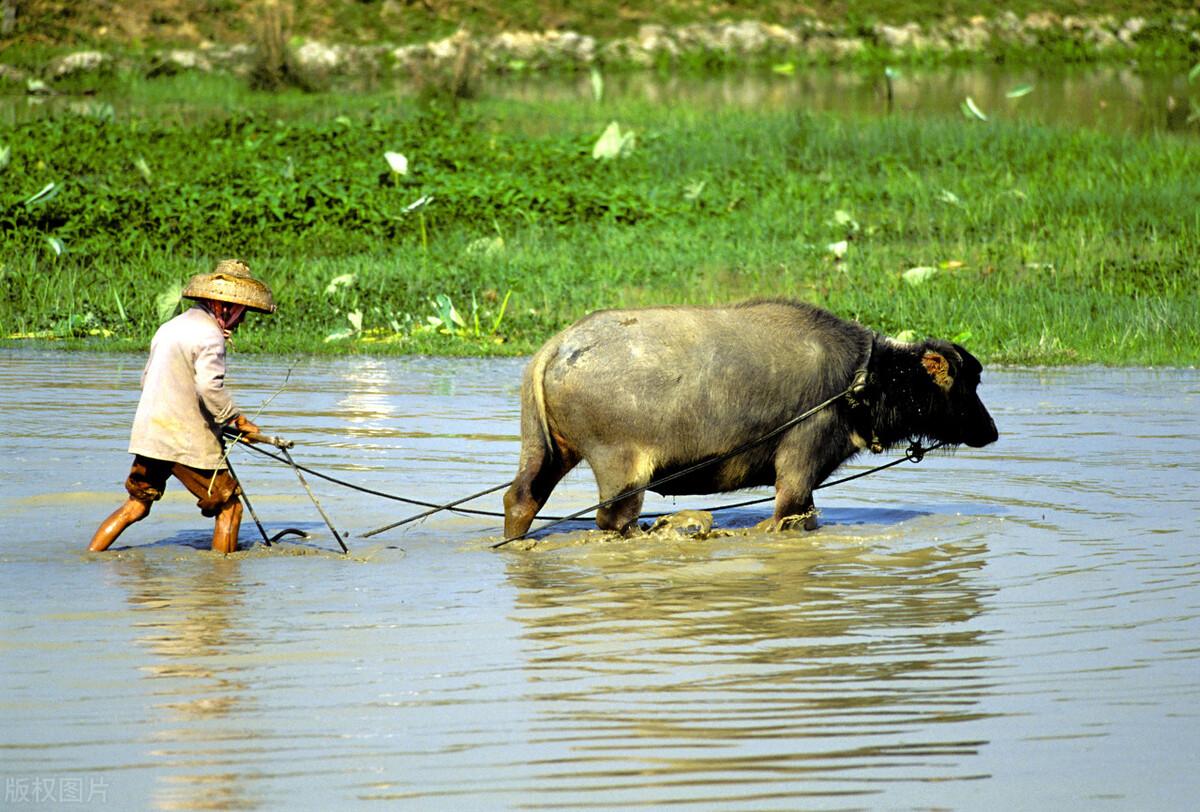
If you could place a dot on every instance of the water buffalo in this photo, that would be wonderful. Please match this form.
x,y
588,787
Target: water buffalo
x,y
643,393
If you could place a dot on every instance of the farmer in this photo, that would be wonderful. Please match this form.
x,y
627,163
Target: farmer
x,y
184,406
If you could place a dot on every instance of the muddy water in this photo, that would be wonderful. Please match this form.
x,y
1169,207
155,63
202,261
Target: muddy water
x,y
1016,627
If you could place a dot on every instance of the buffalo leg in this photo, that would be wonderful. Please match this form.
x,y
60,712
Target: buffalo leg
x,y
793,505
535,480
621,515
618,471
796,472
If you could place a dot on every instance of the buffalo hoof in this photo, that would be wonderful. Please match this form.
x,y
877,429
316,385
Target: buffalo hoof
x,y
806,521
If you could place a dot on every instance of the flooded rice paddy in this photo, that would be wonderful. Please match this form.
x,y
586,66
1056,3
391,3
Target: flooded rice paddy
x,y
1011,627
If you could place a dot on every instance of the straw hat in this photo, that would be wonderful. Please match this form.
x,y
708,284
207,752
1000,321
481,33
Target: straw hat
x,y
231,282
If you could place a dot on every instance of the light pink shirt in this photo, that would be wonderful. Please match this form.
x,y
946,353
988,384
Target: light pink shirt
x,y
184,401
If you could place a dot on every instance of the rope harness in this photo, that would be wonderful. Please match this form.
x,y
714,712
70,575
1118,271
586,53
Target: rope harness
x,y
854,394
857,385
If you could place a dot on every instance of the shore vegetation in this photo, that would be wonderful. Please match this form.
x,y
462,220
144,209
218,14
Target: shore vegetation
x,y
481,226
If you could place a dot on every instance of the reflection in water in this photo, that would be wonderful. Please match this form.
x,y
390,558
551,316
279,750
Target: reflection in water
x,y
367,403
190,623
672,672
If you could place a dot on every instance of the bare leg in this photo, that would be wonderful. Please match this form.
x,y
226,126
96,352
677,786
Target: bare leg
x,y
128,513
229,522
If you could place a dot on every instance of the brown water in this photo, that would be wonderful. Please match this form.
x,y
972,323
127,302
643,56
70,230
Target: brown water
x,y
1011,627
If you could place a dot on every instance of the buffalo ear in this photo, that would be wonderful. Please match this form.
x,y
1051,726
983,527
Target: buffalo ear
x,y
938,368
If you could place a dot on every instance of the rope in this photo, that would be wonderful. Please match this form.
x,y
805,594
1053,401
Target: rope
x,y
438,508
386,495
860,378
267,540
914,454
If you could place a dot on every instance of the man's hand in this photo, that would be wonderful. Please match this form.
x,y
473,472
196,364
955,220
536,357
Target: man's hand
x,y
241,424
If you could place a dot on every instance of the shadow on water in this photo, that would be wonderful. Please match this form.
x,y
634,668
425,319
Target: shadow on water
x,y
746,518
668,669
248,538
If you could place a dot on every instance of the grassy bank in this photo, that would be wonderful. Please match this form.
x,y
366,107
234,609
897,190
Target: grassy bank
x,y
1030,244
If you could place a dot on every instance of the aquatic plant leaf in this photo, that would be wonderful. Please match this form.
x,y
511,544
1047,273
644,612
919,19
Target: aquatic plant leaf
x,y
971,110
1019,91
397,162
503,310
420,203
608,145
120,307
166,302
343,281
843,219
339,335
447,314
47,193
5,157
919,275
143,168
355,318
101,111
613,143
597,84
486,246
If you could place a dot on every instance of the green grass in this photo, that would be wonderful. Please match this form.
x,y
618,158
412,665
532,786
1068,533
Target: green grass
x,y
1050,245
